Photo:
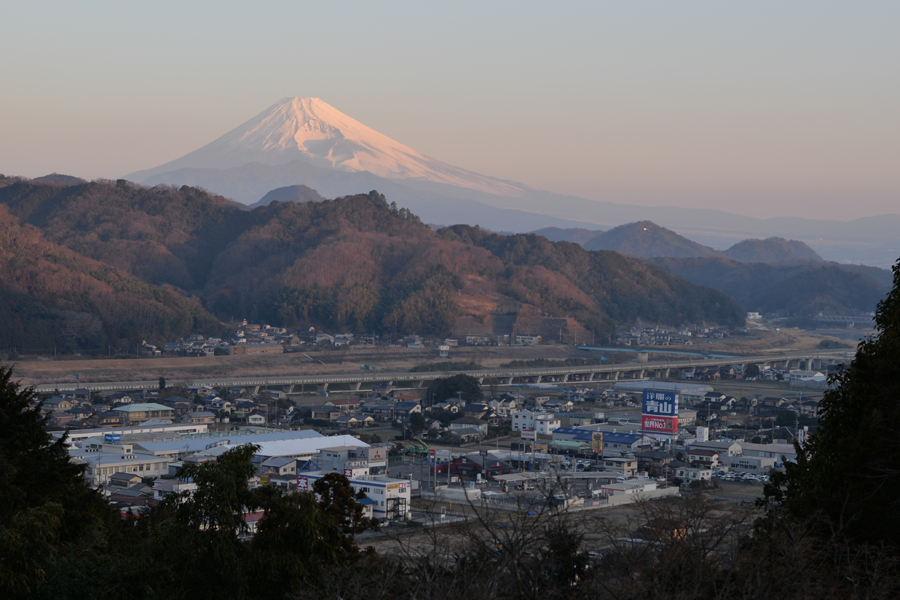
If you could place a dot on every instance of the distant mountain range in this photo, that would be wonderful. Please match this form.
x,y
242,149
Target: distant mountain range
x,y
356,263
576,235
807,289
305,141
646,239
771,275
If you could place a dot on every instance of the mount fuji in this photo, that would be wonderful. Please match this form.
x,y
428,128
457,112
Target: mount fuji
x,y
306,141
313,131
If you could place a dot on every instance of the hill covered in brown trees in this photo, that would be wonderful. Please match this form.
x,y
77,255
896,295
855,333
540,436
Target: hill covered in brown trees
x,y
52,298
357,263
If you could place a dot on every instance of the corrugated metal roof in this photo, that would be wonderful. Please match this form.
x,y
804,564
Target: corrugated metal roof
x,y
142,407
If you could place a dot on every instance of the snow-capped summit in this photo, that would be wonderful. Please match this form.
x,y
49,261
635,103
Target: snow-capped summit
x,y
313,131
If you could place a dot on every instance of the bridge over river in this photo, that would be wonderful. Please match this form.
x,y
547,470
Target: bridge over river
x,y
584,374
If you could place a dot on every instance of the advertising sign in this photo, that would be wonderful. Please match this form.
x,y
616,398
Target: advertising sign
x,y
348,473
303,484
264,480
597,442
112,437
660,425
529,434
376,453
661,404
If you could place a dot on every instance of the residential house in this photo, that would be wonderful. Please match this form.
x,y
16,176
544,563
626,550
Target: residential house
x,y
542,422
471,466
280,465
703,457
403,410
198,417
57,403
722,448
380,410
324,413
503,406
623,464
257,418
469,423
345,405
138,413
653,461
689,474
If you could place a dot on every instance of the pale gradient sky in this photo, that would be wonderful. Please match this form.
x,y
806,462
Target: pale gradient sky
x,y
763,108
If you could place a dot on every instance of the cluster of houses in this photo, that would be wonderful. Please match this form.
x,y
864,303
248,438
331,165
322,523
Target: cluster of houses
x,y
454,419
200,405
797,377
250,338
667,336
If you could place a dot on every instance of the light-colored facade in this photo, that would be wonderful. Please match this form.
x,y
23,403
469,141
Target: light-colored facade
x,y
543,423
391,496
693,474
752,464
138,413
100,465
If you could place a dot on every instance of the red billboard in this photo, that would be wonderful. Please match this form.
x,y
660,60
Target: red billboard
x,y
659,425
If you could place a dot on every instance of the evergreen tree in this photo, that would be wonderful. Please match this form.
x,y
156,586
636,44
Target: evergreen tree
x,y
848,473
47,513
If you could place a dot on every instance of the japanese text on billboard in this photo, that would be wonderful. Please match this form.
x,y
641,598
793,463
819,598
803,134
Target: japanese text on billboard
x,y
664,404
662,425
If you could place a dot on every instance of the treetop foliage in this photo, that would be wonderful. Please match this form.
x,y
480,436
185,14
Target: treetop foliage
x,y
456,386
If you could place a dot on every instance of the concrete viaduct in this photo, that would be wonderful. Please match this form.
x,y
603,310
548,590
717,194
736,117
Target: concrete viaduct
x,y
587,373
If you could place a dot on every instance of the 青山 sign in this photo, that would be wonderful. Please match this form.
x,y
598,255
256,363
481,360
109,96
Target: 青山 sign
x,y
660,425
663,404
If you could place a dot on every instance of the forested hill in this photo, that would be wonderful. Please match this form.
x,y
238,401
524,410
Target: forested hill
x,y
805,290
51,298
357,263
773,251
646,239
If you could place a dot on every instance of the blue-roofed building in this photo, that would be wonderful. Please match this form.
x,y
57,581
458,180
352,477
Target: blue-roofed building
x,y
613,441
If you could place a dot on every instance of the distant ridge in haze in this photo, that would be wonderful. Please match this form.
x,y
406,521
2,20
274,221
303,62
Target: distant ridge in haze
x,y
60,179
291,193
773,251
577,235
646,239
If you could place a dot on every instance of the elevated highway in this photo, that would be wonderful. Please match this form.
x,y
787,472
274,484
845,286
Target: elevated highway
x,y
586,373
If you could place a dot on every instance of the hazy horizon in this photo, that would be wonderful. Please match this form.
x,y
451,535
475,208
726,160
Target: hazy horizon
x,y
764,110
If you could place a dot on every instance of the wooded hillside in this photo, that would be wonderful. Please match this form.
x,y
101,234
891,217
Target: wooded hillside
x,y
357,263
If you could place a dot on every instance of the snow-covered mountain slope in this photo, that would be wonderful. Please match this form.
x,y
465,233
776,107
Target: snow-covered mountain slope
x,y
313,131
